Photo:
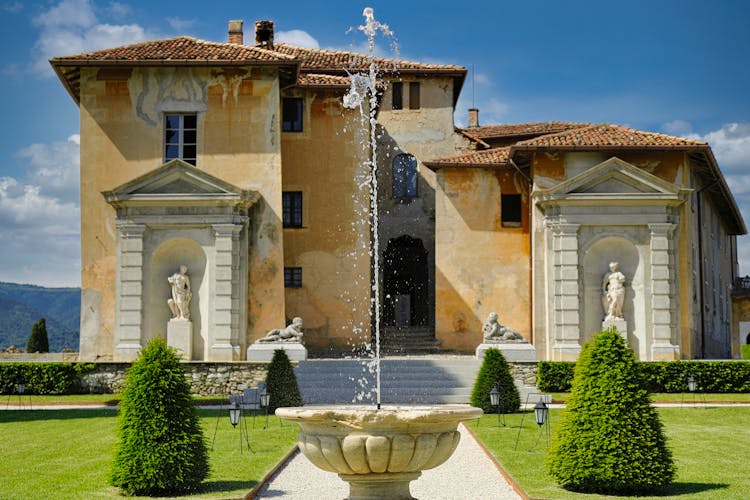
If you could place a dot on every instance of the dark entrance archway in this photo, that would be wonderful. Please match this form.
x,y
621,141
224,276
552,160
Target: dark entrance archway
x,y
405,280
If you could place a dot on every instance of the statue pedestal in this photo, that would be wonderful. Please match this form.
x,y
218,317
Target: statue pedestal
x,y
180,337
263,351
522,351
620,325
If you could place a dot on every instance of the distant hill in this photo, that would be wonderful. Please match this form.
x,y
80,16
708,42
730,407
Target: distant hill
x,y
22,305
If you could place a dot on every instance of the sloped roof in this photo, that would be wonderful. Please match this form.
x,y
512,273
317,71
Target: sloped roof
x,y
606,136
339,61
486,158
521,129
178,51
324,81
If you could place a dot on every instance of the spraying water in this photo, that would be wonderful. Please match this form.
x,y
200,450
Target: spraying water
x,y
362,95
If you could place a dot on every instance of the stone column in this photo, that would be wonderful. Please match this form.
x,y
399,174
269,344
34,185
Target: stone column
x,y
663,345
566,334
129,291
225,321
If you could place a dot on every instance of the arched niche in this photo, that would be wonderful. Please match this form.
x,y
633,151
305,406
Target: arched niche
x,y
164,262
595,266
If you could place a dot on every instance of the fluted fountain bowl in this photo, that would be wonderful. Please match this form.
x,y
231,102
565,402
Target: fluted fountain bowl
x,y
378,452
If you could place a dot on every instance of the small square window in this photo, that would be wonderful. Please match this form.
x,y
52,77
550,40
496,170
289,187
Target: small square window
x,y
397,95
292,277
291,209
414,95
510,210
291,114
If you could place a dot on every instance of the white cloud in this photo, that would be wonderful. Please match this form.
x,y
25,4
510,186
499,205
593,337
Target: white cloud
x,y
731,145
482,79
54,167
40,217
678,127
179,24
118,9
72,27
297,37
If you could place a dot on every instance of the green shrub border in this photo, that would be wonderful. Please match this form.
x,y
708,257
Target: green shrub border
x,y
44,378
661,376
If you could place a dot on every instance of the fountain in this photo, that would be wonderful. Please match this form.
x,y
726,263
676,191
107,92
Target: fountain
x,y
377,449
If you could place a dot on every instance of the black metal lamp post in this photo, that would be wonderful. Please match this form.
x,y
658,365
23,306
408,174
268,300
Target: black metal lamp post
x,y
541,412
235,413
20,385
495,401
265,399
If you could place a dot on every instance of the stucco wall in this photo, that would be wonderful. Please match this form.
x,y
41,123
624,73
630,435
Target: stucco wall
x,y
122,138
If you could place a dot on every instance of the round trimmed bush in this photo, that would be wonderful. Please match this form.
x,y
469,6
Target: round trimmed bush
x,y
610,438
495,372
281,382
161,449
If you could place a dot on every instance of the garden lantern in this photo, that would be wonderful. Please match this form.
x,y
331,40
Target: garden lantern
x,y
495,401
691,384
20,385
265,400
540,412
235,412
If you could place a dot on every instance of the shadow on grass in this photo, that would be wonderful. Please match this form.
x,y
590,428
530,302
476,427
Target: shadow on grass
x,y
33,415
688,488
223,486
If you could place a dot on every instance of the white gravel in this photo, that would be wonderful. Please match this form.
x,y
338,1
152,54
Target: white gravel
x,y
468,474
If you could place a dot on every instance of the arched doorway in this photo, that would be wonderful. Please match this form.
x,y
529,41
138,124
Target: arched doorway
x,y
405,279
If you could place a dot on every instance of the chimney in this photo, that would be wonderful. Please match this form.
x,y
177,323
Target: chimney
x,y
235,32
264,34
473,117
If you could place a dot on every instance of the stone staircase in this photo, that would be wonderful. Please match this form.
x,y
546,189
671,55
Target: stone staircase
x,y
404,380
395,341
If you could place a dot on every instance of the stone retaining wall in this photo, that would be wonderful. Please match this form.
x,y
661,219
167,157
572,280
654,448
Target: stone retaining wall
x,y
205,379
525,371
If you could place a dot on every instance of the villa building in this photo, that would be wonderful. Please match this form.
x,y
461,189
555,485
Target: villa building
x,y
240,162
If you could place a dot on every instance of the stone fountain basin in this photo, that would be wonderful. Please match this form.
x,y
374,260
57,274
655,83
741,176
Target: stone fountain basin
x,y
354,440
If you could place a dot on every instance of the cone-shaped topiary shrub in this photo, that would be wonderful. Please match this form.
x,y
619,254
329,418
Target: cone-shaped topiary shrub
x,y
281,383
161,449
610,439
38,341
495,371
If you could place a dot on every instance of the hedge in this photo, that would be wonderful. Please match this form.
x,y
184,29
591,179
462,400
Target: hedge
x,y
43,378
661,376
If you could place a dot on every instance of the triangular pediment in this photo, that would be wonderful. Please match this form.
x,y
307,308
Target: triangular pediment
x,y
177,181
615,176
613,182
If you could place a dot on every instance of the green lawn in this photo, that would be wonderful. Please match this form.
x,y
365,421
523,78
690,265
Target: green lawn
x,y
68,454
709,446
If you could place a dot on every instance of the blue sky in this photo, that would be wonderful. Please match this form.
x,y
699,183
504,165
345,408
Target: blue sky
x,y
678,67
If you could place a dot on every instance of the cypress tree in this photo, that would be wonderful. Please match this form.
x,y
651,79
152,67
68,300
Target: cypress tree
x,y
281,382
610,438
161,450
38,341
495,372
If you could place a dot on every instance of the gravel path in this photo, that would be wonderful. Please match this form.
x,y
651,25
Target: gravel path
x,y
468,474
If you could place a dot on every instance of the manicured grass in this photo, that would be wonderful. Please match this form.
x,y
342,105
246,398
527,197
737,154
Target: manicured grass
x,y
69,453
93,399
709,446
678,397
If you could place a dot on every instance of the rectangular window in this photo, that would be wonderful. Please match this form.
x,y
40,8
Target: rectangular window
x,y
291,202
397,93
291,114
414,95
405,176
181,137
292,277
510,210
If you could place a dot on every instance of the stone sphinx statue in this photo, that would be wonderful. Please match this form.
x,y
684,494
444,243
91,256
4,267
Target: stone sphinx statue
x,y
495,333
292,333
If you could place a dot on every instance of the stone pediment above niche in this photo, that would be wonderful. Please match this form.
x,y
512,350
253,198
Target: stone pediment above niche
x,y
178,183
613,181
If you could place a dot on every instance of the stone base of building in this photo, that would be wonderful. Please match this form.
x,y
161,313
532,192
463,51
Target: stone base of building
x,y
180,337
566,352
511,352
263,351
127,351
665,352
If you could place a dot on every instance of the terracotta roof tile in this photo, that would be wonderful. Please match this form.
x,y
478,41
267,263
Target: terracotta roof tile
x,y
319,60
495,157
318,80
605,135
522,129
182,48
